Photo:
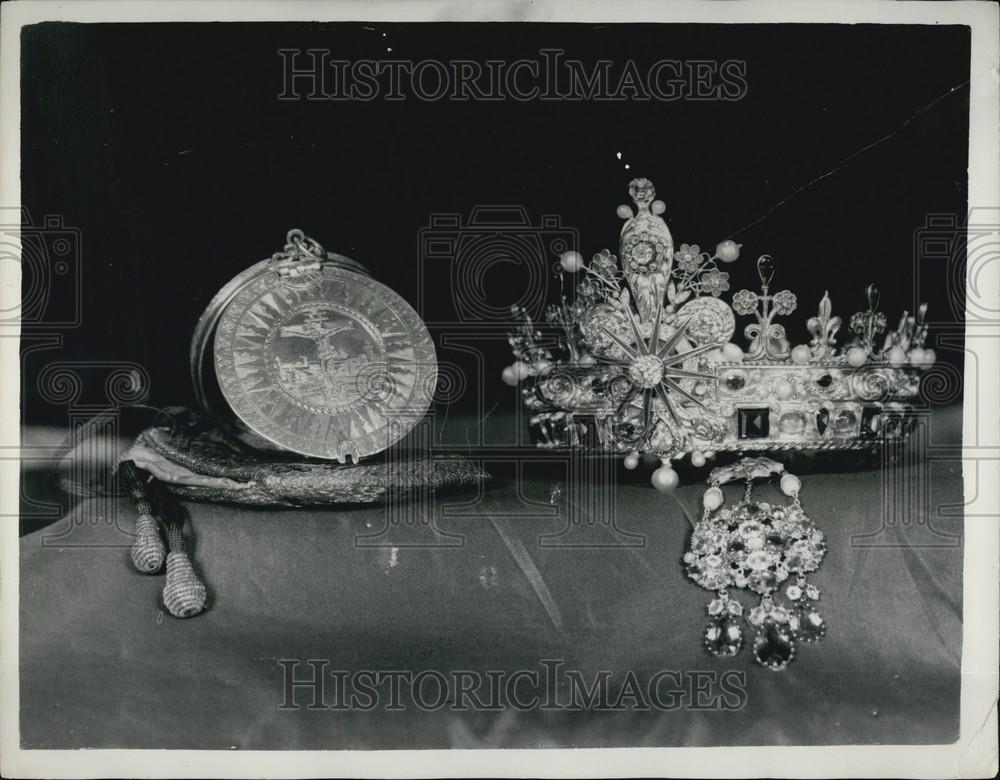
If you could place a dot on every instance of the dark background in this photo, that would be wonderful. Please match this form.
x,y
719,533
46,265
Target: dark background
x,y
166,147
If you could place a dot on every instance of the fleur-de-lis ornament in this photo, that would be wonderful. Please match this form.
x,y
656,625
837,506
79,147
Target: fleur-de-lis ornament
x,y
910,333
824,329
902,335
866,325
767,338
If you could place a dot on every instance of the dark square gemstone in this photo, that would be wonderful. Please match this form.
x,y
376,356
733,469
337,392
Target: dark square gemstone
x,y
754,423
870,422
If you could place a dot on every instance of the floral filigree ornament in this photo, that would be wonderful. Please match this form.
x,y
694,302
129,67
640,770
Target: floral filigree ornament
x,y
763,548
767,338
866,325
696,273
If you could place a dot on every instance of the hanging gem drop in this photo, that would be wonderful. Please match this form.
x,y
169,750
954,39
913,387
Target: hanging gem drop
x,y
809,625
773,647
723,638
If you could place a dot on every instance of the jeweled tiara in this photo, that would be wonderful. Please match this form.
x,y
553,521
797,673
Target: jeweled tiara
x,y
649,364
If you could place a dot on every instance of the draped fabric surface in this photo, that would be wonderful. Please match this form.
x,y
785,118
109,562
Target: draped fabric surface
x,y
497,581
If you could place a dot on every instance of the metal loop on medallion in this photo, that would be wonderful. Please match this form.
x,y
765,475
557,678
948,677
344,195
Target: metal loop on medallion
x,y
298,243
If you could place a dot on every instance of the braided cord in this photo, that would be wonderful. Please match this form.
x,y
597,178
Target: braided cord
x,y
148,552
184,593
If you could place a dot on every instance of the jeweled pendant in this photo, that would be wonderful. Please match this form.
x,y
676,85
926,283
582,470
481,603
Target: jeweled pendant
x,y
764,548
773,647
723,638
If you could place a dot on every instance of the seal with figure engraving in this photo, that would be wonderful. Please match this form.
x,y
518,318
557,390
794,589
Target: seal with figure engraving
x,y
324,361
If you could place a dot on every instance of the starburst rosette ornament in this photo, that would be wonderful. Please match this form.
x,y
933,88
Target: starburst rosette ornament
x,y
646,362
763,548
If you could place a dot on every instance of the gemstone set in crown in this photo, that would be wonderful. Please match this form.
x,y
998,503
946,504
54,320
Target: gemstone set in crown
x,y
646,371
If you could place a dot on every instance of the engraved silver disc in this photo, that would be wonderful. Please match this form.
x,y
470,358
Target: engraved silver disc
x,y
330,364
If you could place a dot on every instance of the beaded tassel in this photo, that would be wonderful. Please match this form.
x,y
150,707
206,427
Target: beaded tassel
x,y
148,551
184,594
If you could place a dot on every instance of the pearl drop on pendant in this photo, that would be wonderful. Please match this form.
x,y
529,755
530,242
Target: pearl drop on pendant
x,y
697,459
665,479
521,370
508,376
658,207
631,461
624,212
790,485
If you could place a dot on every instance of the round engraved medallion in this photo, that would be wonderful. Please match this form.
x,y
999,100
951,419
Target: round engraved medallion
x,y
710,321
331,364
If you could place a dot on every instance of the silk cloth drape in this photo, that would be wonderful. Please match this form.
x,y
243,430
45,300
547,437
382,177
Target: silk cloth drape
x,y
508,585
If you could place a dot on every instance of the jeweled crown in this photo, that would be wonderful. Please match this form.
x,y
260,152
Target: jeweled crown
x,y
648,361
